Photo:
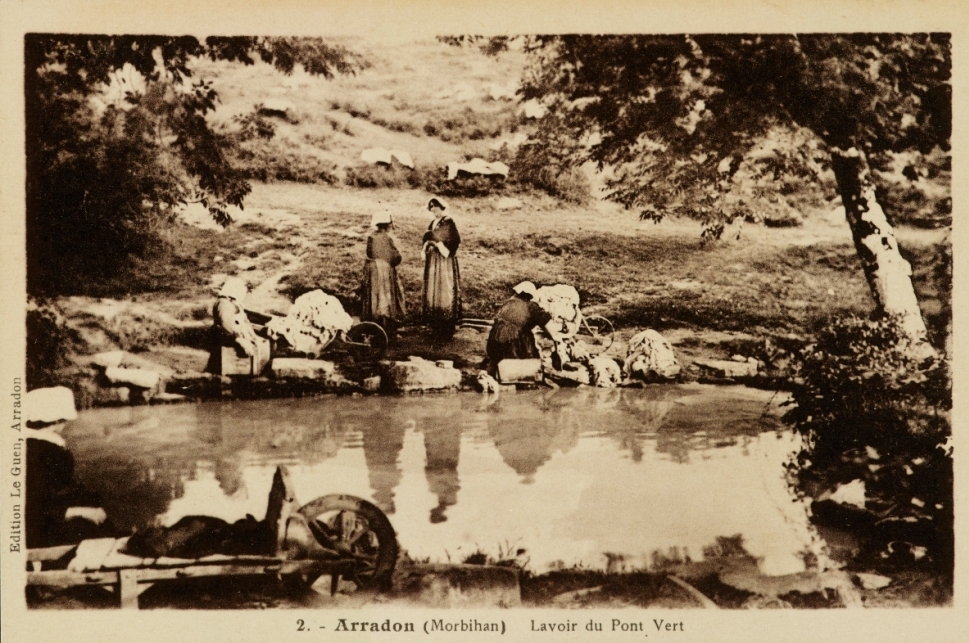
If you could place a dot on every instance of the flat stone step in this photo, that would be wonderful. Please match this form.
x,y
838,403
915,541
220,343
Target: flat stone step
x,y
727,368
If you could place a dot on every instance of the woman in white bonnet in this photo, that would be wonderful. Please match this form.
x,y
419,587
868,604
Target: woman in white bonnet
x,y
383,298
442,278
230,325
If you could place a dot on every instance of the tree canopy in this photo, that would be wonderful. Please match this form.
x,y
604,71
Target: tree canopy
x,y
103,175
670,109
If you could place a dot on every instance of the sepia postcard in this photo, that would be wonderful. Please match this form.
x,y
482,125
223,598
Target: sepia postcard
x,y
493,321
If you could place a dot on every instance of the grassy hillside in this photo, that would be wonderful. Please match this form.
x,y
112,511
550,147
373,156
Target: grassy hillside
x,y
427,99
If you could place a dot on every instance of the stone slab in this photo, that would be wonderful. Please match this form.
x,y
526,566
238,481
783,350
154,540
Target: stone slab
x,y
299,367
519,370
418,374
137,377
727,368
232,363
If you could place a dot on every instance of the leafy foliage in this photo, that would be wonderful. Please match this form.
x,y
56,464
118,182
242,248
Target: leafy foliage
x,y
549,161
669,112
108,161
871,411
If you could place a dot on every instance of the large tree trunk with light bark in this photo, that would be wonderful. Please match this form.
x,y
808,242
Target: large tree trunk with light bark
x,y
889,275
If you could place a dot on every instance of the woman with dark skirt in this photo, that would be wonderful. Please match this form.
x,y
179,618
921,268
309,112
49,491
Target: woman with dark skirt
x,y
383,299
442,278
511,335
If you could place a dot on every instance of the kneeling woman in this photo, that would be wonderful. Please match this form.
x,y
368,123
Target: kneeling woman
x,y
511,335
383,299
230,324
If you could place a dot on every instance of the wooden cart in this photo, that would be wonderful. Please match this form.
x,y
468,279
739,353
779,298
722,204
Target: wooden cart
x,y
355,541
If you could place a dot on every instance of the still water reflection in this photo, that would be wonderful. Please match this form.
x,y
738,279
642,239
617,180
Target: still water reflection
x,y
569,475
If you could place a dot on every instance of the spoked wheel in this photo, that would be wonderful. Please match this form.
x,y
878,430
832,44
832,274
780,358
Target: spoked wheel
x,y
597,332
358,531
367,340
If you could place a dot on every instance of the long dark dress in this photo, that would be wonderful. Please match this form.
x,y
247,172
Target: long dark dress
x,y
511,335
51,490
383,298
442,277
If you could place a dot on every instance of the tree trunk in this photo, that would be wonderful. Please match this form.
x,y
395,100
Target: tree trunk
x,y
889,275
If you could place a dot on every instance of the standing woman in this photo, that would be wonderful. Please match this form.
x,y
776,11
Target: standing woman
x,y
383,299
442,279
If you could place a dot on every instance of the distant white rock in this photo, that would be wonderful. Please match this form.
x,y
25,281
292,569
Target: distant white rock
x,y
378,155
48,405
277,107
477,166
108,359
137,377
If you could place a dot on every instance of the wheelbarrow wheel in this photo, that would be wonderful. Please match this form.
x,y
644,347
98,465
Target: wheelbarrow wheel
x,y
368,340
597,332
358,531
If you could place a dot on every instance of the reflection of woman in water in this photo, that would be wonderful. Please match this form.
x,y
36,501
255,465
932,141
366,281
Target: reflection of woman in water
x,y
382,443
528,441
443,447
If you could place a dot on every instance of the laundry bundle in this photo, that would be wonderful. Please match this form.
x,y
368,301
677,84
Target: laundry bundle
x,y
313,321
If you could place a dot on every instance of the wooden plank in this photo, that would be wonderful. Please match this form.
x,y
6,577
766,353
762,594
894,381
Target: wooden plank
x,y
49,553
64,579
128,588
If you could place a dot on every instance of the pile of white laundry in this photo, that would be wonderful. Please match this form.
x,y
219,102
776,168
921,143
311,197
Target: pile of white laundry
x,y
313,321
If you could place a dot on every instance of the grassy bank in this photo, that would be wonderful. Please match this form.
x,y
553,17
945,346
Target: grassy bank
x,y
292,238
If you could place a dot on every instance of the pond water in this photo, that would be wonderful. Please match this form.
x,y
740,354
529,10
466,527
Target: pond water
x,y
572,476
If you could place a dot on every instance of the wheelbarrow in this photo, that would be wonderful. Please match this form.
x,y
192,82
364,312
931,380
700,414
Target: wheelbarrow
x,y
354,541
365,340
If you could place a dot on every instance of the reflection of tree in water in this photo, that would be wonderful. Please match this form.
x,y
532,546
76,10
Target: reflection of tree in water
x,y
383,440
133,491
527,434
442,445
137,466
277,433
706,420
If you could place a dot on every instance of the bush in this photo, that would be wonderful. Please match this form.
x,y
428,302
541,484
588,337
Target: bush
x,y
379,176
281,160
872,411
49,341
469,125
